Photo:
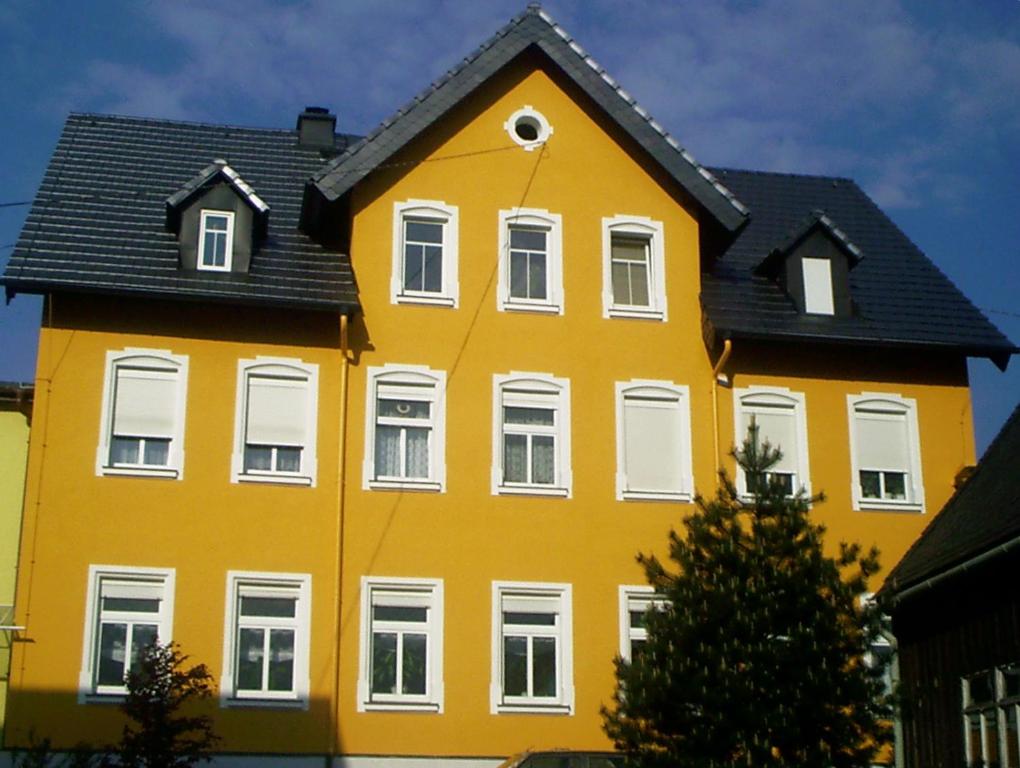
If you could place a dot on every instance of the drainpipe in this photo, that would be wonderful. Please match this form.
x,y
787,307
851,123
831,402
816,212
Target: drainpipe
x,y
334,728
723,358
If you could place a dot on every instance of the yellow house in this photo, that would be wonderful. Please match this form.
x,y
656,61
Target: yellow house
x,y
397,517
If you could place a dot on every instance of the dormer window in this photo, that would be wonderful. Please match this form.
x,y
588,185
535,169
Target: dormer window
x,y
817,286
216,240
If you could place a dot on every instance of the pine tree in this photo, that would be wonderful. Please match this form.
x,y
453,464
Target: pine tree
x,y
757,657
160,734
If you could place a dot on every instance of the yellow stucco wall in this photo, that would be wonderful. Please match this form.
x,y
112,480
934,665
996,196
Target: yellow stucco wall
x,y
204,525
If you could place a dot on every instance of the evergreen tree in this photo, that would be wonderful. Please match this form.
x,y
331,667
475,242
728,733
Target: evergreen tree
x,y
757,658
160,734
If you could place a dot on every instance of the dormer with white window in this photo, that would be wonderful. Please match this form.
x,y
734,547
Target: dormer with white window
x,y
219,220
813,267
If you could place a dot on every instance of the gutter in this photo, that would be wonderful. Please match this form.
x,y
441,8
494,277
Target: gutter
x,y
956,570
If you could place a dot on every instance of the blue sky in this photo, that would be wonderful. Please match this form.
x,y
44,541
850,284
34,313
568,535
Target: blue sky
x,y
918,101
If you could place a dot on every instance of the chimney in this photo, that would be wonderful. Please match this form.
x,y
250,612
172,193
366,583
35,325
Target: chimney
x,y
316,127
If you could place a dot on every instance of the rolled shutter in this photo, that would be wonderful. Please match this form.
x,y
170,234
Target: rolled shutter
x,y
777,425
277,410
145,402
882,441
652,445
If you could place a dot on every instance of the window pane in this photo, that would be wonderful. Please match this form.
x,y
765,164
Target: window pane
x,y
518,274
527,239
387,451
982,688
637,619
423,231
536,276
1012,737
141,636
250,651
400,613
870,485
515,458
544,661
112,646
288,459
534,618
991,737
895,485
258,457
281,660
784,480
433,280
974,738
543,459
515,666
543,416
417,452
638,285
403,409
1011,679
124,450
132,604
284,607
414,267
384,662
157,452
414,662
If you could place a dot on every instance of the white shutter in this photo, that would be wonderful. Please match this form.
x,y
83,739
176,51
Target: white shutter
x,y
777,425
277,410
652,445
882,441
817,286
145,402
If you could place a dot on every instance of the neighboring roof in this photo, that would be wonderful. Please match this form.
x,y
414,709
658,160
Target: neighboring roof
x,y
532,28
900,298
218,168
980,516
97,223
817,220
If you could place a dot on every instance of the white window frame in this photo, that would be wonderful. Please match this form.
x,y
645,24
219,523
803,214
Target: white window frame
x,y
745,399
435,211
817,276
664,391
228,257
907,408
541,390
156,360
995,709
558,596
417,382
296,585
121,575
427,593
643,227
631,598
552,224
284,367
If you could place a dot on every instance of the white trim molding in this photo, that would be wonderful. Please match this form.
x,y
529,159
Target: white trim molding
x,y
879,420
523,123
424,287
539,236
768,405
635,598
642,234
228,240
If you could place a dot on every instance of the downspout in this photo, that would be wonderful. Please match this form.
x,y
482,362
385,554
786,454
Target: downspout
x,y
334,728
723,358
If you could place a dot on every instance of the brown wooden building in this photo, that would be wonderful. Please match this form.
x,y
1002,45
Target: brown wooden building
x,y
956,617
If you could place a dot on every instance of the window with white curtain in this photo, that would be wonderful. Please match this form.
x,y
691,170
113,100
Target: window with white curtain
x,y
266,638
401,659
126,609
404,428
531,435
142,427
653,441
532,648
781,417
885,452
277,404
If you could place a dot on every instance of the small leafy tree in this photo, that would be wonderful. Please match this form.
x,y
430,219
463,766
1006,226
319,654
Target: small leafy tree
x,y
757,658
160,735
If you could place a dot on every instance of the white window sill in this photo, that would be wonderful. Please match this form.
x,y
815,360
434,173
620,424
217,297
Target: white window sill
x,y
887,505
263,703
430,486
277,479
102,698
637,313
534,709
532,490
397,706
654,496
436,300
166,472
542,309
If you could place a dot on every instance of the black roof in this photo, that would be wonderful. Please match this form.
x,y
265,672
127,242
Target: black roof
x,y
98,220
980,516
532,29
900,297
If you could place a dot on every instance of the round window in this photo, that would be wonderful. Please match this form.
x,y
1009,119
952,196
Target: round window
x,y
528,128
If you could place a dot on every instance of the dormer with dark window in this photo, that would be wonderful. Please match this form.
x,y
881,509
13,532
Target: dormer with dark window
x,y
813,267
218,219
